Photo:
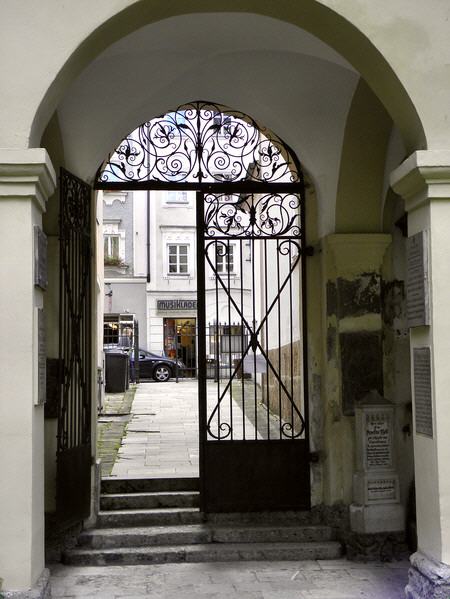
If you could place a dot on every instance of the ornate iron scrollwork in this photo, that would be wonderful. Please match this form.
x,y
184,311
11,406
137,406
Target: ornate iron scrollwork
x,y
246,215
200,142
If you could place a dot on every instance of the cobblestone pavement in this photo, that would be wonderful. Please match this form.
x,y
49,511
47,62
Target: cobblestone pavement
x,y
337,579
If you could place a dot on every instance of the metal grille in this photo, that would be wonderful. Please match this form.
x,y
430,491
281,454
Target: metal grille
x,y
74,413
200,142
253,247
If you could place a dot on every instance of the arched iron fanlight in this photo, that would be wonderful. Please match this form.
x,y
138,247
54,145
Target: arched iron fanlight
x,y
201,142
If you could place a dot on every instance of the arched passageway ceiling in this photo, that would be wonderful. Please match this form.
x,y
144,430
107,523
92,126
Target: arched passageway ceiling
x,y
280,75
394,53
287,89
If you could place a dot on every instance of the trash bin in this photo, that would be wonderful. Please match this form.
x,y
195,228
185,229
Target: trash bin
x,y
116,373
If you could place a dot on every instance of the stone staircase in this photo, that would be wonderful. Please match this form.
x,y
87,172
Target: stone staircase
x,y
158,521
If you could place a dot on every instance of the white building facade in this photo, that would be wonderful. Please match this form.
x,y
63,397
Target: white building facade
x,y
150,256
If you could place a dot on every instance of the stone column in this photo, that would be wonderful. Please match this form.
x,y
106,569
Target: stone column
x,y
27,179
423,180
351,266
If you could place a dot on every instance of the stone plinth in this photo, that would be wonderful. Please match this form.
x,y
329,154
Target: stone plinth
x,y
376,504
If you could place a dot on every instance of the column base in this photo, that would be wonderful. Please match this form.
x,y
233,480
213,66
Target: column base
x,y
427,579
41,590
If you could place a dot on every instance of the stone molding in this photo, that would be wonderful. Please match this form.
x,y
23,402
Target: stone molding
x,y
27,174
423,176
355,253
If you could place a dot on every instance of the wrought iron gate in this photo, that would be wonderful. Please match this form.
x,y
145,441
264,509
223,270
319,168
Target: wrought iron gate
x,y
254,441
74,411
254,438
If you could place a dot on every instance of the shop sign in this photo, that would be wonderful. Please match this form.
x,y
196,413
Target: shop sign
x,y
176,304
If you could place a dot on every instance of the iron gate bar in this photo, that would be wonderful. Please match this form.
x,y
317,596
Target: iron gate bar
x,y
201,323
245,186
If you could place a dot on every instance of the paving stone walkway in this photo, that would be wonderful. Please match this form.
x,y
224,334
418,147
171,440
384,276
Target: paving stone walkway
x,y
337,579
162,433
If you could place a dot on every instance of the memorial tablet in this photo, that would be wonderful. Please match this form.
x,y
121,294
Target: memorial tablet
x,y
40,258
382,489
378,441
42,357
422,391
417,296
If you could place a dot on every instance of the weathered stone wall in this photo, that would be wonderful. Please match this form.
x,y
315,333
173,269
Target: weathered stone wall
x,y
286,360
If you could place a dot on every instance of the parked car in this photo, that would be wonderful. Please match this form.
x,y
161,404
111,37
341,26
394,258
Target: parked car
x,y
159,368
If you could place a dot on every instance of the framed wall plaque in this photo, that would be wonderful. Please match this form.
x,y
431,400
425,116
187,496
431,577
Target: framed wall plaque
x,y
423,407
417,288
40,258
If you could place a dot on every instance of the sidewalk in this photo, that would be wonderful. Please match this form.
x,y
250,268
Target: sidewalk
x,y
337,579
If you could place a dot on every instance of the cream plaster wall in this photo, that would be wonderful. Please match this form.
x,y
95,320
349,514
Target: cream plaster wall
x,y
378,39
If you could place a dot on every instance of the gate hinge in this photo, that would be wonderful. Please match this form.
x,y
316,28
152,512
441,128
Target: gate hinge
x,y
314,457
309,250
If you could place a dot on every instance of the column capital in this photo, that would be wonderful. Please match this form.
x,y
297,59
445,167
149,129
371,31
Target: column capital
x,y
355,253
27,174
423,176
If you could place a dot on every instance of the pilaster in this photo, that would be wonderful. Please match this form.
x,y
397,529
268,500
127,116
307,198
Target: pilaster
x,y
27,179
423,180
352,279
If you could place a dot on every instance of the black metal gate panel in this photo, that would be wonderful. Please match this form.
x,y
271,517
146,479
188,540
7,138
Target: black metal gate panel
x,y
73,490
255,453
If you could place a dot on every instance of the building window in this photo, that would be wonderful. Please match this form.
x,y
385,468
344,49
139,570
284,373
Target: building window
x,y
111,246
177,197
178,259
225,259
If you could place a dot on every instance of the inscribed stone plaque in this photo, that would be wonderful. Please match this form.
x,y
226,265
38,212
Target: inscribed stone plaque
x,y
40,258
42,357
422,391
382,489
417,297
378,440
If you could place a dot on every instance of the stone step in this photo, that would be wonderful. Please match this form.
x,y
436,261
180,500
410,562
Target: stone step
x,y
149,517
211,552
201,533
116,485
120,501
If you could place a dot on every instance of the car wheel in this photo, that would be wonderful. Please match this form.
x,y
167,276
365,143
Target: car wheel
x,y
162,373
